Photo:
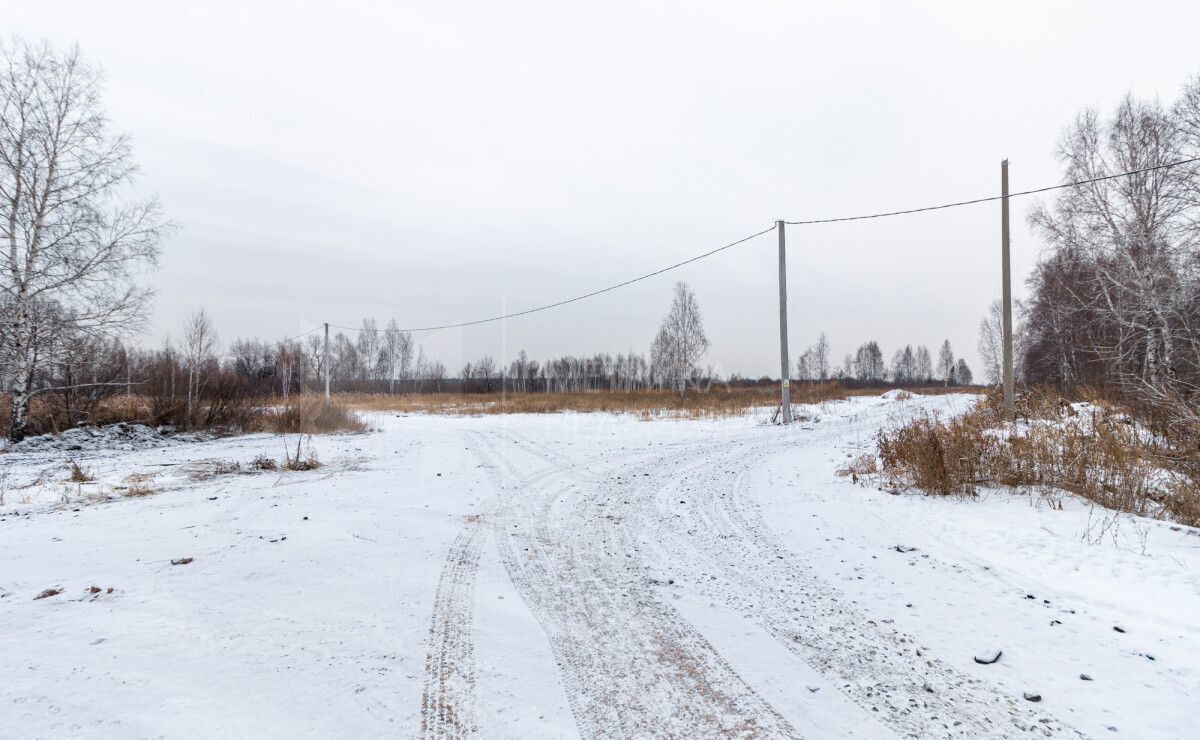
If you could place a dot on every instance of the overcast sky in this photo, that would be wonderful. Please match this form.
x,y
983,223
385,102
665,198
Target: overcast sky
x,y
444,161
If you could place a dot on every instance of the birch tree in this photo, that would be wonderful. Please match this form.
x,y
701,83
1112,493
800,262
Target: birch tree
x,y
924,365
70,242
945,364
199,345
396,355
821,357
681,342
1114,301
991,343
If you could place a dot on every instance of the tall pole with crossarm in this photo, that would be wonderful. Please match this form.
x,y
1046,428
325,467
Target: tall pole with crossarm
x,y
784,361
1006,293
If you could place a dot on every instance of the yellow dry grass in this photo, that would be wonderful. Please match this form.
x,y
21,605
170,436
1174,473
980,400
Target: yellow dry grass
x,y
713,403
1105,457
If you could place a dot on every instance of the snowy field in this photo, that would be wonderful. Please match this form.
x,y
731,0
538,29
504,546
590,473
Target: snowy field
x,y
572,575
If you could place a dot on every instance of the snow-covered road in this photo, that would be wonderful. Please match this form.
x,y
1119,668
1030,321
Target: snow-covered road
x,y
580,575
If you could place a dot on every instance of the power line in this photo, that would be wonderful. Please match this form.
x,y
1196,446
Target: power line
x,y
991,198
305,334
745,239
289,340
556,304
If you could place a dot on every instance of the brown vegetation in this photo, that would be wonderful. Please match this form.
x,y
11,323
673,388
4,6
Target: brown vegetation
x,y
138,484
715,402
298,414
79,475
308,414
1097,450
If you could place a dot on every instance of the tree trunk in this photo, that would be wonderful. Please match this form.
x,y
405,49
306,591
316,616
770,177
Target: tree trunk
x,y
22,371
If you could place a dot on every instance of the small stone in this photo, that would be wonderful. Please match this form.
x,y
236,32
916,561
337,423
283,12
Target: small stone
x,y
1118,629
1032,697
989,658
181,561
1084,677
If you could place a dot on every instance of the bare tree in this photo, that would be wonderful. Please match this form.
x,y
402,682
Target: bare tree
x,y
369,350
945,364
991,342
904,366
821,357
924,365
199,343
681,342
486,374
868,363
396,355
70,245
805,366
1114,301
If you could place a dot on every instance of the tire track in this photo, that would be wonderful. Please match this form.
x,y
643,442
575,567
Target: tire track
x,y
631,665
723,539
448,697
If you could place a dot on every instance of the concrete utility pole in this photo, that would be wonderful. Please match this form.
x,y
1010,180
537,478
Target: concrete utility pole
x,y
784,361
325,360
1009,390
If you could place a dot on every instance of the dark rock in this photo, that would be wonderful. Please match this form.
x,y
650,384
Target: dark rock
x,y
989,658
1032,697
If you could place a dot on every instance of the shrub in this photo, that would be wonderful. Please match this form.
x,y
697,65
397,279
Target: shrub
x,y
309,414
298,461
1097,450
264,463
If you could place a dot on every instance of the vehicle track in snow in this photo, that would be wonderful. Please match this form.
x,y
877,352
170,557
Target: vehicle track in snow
x,y
448,697
582,539
630,664
706,527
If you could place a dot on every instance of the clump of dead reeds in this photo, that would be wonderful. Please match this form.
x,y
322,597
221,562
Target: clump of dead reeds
x,y
79,475
301,461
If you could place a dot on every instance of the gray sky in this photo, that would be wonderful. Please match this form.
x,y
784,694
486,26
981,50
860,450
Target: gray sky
x,y
444,161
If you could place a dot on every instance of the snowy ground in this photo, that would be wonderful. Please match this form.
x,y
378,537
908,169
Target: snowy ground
x,y
576,575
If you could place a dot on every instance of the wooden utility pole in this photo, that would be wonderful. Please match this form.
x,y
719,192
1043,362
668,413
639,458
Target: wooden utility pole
x,y
325,360
1009,390
784,361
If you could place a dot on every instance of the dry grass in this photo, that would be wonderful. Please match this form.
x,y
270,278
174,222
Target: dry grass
x,y
309,414
298,414
861,465
203,470
301,461
714,403
138,484
1101,454
79,475
264,464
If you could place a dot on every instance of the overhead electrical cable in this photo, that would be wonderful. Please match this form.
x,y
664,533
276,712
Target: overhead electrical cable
x,y
743,240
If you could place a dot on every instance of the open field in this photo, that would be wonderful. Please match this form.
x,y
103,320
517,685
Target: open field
x,y
715,402
578,575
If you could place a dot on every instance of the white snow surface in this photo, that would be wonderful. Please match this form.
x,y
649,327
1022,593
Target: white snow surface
x,y
577,575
